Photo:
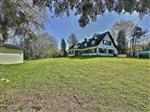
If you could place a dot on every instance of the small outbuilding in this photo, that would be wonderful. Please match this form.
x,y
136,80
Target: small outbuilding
x,y
143,54
10,54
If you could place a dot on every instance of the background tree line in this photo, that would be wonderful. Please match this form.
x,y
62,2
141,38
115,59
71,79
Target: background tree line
x,y
42,46
128,36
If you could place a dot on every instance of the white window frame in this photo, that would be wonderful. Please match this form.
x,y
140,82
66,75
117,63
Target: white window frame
x,y
93,42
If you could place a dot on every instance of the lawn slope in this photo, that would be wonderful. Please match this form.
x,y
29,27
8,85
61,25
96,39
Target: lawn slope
x,y
76,84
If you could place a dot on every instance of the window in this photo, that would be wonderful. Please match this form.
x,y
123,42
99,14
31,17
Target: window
x,y
92,50
102,50
85,44
111,51
86,51
106,42
93,42
78,53
71,52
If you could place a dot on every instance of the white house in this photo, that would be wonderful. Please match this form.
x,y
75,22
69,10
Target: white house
x,y
98,45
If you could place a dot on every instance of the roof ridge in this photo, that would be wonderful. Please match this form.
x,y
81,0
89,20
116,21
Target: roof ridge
x,y
99,38
98,33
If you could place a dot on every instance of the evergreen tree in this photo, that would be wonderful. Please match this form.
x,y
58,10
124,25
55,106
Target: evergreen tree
x,y
63,47
122,42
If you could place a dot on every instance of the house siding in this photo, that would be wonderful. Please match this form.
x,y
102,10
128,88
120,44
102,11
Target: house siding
x,y
103,46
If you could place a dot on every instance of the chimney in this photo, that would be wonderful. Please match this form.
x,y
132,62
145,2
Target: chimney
x,y
85,39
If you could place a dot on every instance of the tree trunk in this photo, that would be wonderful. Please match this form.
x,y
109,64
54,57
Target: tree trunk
x,y
133,45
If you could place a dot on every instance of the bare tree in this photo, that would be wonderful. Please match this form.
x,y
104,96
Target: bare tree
x,y
72,39
19,18
123,25
138,33
40,46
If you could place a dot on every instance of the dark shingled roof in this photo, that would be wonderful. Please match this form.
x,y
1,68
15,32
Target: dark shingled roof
x,y
97,37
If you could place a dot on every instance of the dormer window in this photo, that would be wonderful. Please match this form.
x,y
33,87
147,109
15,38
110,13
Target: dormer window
x,y
85,44
93,42
95,37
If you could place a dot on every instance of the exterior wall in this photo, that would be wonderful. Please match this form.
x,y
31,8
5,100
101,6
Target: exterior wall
x,y
85,54
11,58
122,55
112,47
90,54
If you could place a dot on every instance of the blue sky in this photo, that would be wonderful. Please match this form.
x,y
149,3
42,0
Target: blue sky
x,y
62,27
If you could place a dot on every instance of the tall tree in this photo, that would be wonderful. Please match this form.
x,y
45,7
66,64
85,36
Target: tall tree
x,y
29,49
40,46
72,39
19,18
47,45
138,33
63,47
146,46
122,42
123,25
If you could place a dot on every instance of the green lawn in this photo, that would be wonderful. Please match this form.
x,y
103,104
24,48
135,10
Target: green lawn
x,y
76,85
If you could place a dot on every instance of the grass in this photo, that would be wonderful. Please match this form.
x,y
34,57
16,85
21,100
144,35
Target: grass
x,y
86,83
10,50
